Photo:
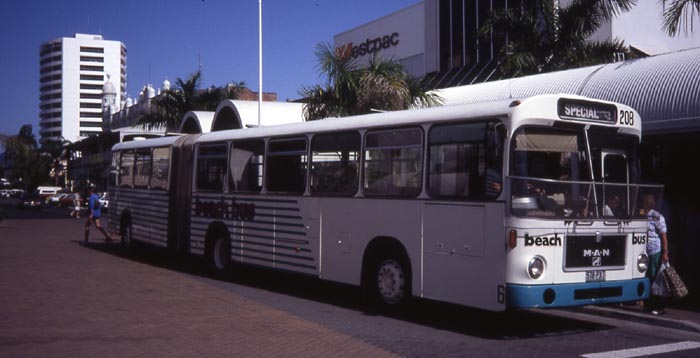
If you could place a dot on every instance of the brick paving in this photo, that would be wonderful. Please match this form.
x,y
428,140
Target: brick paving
x,y
60,298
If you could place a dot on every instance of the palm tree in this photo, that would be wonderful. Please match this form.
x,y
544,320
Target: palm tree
x,y
172,104
680,12
351,90
58,151
543,37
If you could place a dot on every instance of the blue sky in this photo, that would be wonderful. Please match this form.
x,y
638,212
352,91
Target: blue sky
x,y
170,38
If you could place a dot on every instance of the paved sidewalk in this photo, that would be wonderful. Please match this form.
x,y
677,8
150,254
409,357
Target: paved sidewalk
x,y
676,316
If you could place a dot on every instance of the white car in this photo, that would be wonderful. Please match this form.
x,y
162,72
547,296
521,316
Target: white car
x,y
56,199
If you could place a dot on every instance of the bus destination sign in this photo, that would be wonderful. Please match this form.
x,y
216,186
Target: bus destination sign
x,y
586,111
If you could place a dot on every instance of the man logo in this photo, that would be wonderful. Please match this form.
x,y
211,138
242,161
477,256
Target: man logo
x,y
597,261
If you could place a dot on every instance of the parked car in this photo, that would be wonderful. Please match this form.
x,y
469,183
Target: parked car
x,y
56,199
31,201
66,200
48,191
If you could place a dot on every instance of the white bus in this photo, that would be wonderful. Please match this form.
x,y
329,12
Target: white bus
x,y
513,204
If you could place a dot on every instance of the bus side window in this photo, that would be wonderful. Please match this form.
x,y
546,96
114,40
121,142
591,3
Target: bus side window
x,y
211,167
246,166
393,162
286,166
126,168
160,169
142,168
114,169
335,163
457,160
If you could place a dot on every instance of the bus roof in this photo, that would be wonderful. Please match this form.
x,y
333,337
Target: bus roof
x,y
541,106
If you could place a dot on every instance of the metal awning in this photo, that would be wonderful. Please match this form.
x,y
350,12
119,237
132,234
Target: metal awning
x,y
664,89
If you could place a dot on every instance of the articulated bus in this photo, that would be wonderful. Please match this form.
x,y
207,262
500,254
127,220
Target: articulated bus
x,y
512,204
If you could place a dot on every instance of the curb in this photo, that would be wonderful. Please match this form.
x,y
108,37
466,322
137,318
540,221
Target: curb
x,y
641,318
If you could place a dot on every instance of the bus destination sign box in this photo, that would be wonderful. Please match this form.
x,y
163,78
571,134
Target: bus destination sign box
x,y
586,111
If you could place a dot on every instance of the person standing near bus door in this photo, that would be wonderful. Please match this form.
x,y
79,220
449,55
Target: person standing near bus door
x,y
657,249
94,216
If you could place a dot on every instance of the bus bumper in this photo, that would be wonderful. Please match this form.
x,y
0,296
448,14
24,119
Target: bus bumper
x,y
576,294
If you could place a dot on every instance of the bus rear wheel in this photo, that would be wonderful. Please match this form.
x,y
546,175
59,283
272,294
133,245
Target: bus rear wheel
x,y
219,258
127,238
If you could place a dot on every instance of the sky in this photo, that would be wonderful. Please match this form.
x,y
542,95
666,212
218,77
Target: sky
x,y
170,38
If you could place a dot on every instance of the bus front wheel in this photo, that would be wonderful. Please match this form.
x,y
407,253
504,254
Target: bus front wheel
x,y
387,283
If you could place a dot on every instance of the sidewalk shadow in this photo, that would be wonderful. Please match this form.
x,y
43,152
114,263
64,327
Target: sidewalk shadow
x,y
455,318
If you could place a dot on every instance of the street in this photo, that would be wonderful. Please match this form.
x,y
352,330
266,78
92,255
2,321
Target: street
x,y
61,298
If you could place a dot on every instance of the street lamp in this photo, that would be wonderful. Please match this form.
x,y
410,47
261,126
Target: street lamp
x,y
260,69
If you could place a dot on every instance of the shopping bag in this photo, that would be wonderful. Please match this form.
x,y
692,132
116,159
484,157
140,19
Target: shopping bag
x,y
674,282
659,286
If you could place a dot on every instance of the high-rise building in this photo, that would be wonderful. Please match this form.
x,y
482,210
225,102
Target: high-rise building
x,y
73,71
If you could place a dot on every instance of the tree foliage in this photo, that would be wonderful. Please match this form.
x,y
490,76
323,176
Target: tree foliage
x,y
27,164
679,15
543,37
171,105
351,90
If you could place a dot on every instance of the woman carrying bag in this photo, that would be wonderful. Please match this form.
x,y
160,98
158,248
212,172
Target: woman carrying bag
x,y
657,249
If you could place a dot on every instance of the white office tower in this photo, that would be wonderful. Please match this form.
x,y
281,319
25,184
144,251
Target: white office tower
x,y
73,72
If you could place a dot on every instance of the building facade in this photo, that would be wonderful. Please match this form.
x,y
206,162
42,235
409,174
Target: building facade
x,y
437,39
73,72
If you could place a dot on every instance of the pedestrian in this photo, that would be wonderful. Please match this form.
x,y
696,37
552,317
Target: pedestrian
x,y
94,216
76,206
657,249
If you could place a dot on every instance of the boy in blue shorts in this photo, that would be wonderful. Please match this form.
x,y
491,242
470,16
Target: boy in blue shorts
x,y
94,215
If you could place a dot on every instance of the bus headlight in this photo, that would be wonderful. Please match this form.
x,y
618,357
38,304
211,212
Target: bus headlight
x,y
642,262
536,267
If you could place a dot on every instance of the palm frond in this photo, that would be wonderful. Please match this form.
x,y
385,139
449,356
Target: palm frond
x,y
679,15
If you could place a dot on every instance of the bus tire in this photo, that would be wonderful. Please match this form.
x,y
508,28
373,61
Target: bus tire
x,y
219,255
127,237
387,282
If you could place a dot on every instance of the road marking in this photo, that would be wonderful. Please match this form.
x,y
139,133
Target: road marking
x,y
642,351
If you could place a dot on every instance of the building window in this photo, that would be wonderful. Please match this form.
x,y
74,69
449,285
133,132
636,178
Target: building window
x,y
92,68
91,78
91,105
90,96
91,124
90,114
92,49
90,87
92,59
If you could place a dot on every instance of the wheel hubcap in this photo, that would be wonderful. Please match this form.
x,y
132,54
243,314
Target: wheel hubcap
x,y
390,281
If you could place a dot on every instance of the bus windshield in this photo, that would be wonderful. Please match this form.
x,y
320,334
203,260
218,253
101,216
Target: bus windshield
x,y
574,173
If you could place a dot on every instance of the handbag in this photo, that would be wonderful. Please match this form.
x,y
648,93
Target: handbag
x,y
673,282
659,287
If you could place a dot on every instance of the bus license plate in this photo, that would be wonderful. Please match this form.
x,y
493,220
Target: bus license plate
x,y
595,276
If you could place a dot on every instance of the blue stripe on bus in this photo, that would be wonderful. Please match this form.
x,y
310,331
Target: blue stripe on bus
x,y
525,296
